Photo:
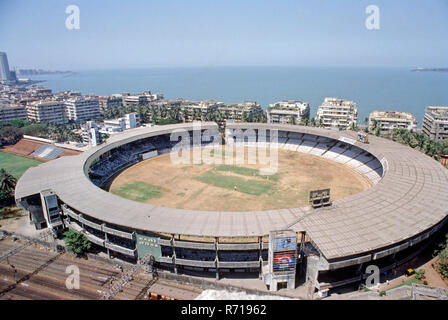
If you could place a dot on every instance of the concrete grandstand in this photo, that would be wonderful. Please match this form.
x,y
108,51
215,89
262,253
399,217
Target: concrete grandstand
x,y
385,225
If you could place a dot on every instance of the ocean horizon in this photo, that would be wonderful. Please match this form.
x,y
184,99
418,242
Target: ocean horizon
x,y
372,88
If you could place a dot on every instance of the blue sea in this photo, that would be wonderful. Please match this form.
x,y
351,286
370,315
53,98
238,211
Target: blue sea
x,y
371,88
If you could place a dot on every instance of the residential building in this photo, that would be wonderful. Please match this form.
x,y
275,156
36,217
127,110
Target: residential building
x,y
129,121
107,102
198,110
82,108
140,99
435,122
46,111
91,134
242,111
337,113
388,120
114,125
10,112
288,111
132,120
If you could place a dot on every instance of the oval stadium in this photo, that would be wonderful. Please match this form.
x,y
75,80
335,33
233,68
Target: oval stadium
x,y
399,206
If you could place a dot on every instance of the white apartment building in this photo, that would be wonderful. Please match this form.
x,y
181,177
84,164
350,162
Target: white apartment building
x,y
10,112
91,134
114,125
132,120
337,113
388,120
139,99
287,111
129,121
435,122
235,111
190,108
107,102
82,108
46,111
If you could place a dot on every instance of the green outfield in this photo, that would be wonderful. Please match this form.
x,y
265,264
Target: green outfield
x,y
138,191
250,186
16,165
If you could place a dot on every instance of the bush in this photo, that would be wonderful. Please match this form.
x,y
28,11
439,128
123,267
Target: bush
x,y
442,264
36,130
420,274
76,242
382,293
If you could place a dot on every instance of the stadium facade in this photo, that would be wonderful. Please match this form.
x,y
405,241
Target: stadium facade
x,y
386,225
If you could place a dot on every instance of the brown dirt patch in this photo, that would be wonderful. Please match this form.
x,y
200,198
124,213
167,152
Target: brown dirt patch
x,y
297,175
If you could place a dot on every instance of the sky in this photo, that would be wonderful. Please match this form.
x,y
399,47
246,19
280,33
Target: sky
x,y
188,33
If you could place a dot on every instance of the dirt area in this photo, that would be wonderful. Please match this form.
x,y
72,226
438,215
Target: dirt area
x,y
25,147
217,187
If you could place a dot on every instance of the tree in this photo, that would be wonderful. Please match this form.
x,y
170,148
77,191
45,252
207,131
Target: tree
x,y
10,135
7,185
292,120
442,263
76,242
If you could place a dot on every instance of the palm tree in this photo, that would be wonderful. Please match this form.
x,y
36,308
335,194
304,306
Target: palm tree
x,y
7,183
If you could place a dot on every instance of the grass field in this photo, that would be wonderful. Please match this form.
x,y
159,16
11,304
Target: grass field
x,y
16,165
251,186
220,187
138,191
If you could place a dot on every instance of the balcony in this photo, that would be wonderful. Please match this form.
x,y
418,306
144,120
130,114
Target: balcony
x,y
238,264
120,249
194,245
196,263
238,246
118,233
91,224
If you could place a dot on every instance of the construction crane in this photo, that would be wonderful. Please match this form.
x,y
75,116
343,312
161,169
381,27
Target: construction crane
x,y
146,263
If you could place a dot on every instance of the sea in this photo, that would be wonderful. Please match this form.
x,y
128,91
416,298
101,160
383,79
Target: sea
x,y
372,88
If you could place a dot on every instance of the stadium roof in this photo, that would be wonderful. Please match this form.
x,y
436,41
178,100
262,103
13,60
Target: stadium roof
x,y
410,198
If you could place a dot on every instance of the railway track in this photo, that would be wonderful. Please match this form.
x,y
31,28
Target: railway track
x,y
40,274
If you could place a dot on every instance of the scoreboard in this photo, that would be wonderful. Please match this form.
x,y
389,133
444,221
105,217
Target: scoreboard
x,y
283,251
148,245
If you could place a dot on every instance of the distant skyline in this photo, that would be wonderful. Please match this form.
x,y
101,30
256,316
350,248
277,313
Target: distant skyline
x,y
178,33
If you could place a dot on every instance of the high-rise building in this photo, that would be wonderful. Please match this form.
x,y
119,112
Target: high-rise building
x,y
337,113
6,76
82,108
435,123
10,112
46,111
388,120
91,134
132,120
288,111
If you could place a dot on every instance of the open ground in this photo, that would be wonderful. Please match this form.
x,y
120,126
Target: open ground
x,y
222,187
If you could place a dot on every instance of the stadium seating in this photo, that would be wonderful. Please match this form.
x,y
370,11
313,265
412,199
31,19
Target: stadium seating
x,y
47,151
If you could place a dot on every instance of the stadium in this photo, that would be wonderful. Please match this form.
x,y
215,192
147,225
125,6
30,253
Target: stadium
x,y
387,221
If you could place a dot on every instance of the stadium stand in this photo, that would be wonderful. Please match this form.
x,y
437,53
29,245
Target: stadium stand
x,y
47,151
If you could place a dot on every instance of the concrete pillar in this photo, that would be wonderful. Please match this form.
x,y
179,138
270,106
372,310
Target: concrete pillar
x,y
273,286
216,258
176,271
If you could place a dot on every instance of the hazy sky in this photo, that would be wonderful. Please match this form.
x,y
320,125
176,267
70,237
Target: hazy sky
x,y
127,34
